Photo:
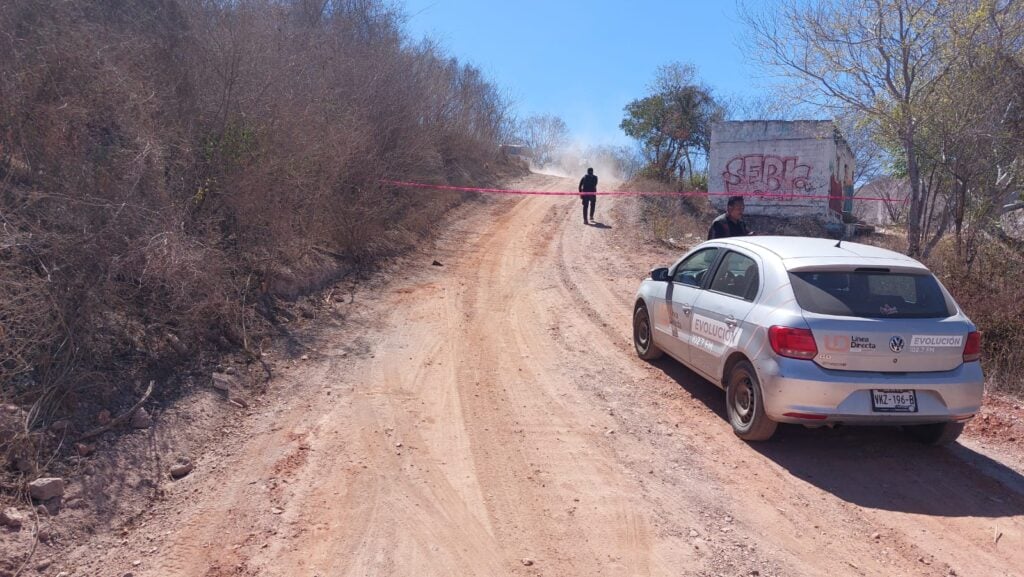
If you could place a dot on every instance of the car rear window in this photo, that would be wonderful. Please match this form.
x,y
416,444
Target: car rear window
x,y
871,294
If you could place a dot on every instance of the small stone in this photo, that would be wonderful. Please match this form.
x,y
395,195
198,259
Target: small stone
x,y
438,263
694,533
304,357
277,510
53,505
85,449
44,564
60,426
182,468
223,381
398,445
876,536
104,417
136,563
63,574
527,562
46,488
141,419
12,518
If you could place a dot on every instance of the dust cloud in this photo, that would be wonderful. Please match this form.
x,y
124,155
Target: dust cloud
x,y
572,161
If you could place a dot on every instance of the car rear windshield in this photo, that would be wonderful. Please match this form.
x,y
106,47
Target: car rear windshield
x,y
871,294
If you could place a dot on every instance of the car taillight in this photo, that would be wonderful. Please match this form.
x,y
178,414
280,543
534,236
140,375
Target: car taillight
x,y
792,343
972,348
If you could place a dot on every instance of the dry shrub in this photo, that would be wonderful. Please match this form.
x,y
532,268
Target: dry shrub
x,y
671,217
991,293
167,165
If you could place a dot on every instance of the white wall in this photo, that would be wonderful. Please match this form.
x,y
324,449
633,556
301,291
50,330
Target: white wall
x,y
778,162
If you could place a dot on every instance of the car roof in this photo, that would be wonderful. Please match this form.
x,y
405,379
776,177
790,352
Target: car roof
x,y
810,252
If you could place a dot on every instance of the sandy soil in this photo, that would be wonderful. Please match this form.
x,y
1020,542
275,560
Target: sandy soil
x,y
489,417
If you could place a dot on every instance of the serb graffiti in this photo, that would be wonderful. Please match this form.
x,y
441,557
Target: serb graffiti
x,y
763,174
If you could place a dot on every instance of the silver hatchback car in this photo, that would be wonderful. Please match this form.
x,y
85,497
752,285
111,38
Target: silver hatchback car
x,y
815,332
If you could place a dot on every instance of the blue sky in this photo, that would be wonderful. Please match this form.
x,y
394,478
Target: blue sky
x,y
584,61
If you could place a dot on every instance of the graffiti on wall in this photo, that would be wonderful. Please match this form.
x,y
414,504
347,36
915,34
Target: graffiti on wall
x,y
778,177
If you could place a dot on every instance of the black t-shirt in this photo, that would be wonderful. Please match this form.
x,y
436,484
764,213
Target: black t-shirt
x,y
588,183
723,227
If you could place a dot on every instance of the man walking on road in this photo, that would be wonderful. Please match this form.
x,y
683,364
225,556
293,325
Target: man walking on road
x,y
588,184
731,223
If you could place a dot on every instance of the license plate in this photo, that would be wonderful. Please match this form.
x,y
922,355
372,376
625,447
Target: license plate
x,y
894,401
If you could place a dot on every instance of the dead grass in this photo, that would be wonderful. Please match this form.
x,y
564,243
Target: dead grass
x,y
169,169
671,220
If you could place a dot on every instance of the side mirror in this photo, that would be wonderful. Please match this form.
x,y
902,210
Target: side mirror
x,y
660,274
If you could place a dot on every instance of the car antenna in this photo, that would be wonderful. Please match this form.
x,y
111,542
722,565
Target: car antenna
x,y
839,243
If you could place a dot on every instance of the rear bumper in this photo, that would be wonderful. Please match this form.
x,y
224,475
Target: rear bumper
x,y
804,388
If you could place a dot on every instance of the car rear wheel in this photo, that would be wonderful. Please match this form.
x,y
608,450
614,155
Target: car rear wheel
x,y
935,433
643,336
744,404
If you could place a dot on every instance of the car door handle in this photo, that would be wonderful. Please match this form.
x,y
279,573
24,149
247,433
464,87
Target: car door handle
x,y
731,321
686,309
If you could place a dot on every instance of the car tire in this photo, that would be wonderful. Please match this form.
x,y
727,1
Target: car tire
x,y
744,404
934,433
643,335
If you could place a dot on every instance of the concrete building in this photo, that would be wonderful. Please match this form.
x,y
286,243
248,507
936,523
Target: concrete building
x,y
782,168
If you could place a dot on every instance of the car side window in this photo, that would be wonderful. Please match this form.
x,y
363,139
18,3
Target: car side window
x,y
692,270
737,276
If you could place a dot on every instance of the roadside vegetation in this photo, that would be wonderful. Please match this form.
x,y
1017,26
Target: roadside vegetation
x,y
171,169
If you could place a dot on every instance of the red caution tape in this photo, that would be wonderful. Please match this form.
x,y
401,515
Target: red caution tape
x,y
760,195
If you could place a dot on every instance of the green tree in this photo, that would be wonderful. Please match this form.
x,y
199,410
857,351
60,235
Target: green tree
x,y
673,124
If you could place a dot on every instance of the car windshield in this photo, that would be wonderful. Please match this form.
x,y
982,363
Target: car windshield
x,y
870,294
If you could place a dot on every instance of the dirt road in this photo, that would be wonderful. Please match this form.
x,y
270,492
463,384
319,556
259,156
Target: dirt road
x,y
488,417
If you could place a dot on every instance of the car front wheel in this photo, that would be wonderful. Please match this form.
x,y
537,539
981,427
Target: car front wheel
x,y
643,336
744,404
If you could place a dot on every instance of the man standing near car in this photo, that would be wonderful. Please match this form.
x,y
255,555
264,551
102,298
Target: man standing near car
x,y
731,223
588,190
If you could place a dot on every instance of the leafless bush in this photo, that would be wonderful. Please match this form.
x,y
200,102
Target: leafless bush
x,y
675,217
164,164
990,292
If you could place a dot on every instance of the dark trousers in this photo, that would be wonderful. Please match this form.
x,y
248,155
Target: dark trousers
x,y
589,199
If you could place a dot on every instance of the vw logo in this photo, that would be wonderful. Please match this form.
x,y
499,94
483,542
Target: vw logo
x,y
896,344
